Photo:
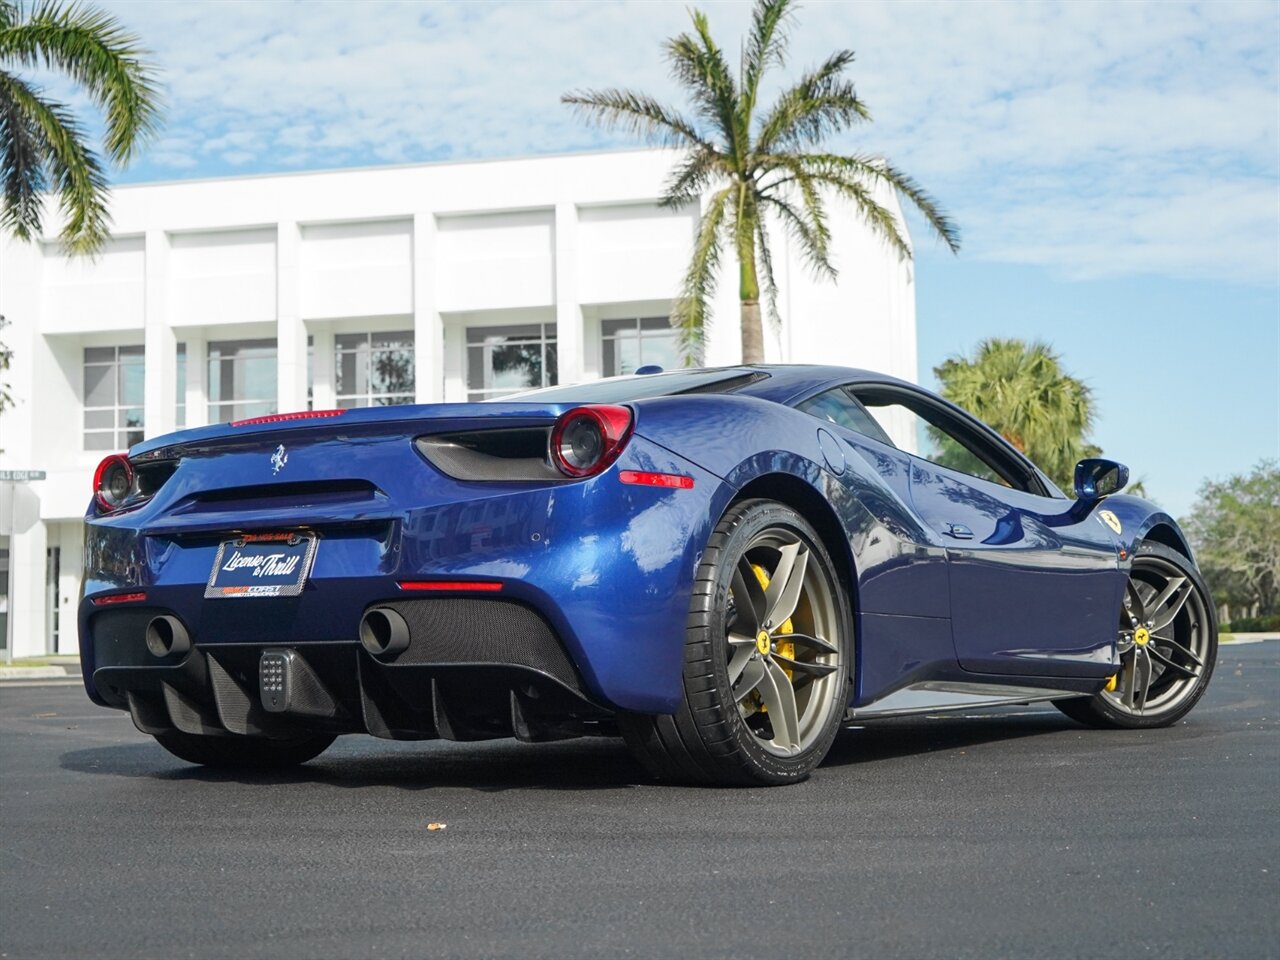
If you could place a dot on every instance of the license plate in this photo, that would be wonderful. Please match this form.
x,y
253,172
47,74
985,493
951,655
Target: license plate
x,y
262,565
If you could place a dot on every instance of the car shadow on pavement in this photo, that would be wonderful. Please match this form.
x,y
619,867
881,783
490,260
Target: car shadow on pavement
x,y
586,764
494,766
881,740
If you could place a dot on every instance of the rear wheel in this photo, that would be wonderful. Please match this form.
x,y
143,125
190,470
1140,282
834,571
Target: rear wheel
x,y
1167,642
767,658
245,752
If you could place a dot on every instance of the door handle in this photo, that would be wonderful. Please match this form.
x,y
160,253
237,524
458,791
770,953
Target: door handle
x,y
959,531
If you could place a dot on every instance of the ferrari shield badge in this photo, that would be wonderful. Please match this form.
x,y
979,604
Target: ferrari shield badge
x,y
1110,519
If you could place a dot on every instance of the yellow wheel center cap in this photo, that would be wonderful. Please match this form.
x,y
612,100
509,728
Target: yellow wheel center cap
x,y
762,643
1141,636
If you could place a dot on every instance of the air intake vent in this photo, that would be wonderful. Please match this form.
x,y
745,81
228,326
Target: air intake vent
x,y
493,455
305,494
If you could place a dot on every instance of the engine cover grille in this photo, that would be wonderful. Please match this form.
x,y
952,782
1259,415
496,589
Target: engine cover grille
x,y
482,631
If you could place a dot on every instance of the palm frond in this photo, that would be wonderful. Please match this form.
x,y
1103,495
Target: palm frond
x,y
928,207
22,175
879,169
691,310
878,217
691,177
700,67
92,47
816,241
637,114
802,230
73,169
766,46
820,104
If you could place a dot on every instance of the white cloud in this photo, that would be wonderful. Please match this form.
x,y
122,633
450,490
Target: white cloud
x,y
1095,138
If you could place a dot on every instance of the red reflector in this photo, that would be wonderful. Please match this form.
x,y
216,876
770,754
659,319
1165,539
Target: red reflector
x,y
283,417
466,586
119,598
656,479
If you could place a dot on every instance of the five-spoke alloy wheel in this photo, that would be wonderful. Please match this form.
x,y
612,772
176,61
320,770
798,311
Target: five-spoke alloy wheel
x,y
1167,645
767,657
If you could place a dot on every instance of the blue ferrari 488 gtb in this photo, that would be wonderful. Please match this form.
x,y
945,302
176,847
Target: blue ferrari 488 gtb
x,y
722,566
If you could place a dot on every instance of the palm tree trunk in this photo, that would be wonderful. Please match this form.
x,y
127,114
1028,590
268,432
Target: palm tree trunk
x,y
749,294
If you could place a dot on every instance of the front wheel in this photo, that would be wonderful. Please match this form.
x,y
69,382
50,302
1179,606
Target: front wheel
x,y
1167,644
257,753
768,645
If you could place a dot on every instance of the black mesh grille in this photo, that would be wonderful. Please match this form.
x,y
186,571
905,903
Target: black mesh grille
x,y
119,639
482,631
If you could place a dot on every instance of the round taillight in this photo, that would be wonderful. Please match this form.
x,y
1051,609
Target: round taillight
x,y
112,482
586,440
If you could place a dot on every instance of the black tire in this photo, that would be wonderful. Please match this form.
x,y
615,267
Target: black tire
x,y
1194,629
250,753
709,740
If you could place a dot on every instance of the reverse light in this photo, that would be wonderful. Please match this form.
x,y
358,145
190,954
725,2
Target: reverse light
x,y
586,440
112,482
285,417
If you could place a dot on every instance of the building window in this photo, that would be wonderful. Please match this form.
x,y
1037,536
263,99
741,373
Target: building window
x,y
113,397
502,360
628,345
180,418
373,369
242,379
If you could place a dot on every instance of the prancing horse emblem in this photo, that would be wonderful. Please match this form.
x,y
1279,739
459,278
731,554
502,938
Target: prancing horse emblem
x,y
278,460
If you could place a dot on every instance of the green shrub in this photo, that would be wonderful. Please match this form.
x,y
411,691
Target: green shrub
x,y
1267,624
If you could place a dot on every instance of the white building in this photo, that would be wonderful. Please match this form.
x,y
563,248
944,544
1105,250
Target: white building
x,y
226,298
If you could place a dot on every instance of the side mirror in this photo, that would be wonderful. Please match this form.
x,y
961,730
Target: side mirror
x,y
1097,478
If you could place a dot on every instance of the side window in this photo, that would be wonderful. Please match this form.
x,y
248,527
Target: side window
x,y
836,406
932,435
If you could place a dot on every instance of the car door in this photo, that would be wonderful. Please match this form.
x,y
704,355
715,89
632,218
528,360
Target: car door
x,y
1034,590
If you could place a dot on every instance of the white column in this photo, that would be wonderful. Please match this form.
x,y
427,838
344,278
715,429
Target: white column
x,y
28,601
197,398
160,380
323,391
569,338
428,330
72,536
291,331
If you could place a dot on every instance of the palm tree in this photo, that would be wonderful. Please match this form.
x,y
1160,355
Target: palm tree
x,y
1021,390
758,162
43,146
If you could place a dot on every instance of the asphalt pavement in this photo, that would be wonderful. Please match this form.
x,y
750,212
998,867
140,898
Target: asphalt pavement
x,y
1010,833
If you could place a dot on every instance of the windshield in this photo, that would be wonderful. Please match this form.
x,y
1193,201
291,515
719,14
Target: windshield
x,y
624,389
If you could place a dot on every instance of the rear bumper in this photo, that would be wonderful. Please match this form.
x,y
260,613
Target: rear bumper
x,y
472,670
606,568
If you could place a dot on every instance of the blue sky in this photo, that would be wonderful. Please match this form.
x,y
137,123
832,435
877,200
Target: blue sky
x,y
1115,167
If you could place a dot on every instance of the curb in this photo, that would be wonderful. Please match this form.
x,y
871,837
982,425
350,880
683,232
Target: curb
x,y
35,673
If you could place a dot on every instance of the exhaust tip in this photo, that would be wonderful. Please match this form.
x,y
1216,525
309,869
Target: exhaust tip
x,y
166,636
384,633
